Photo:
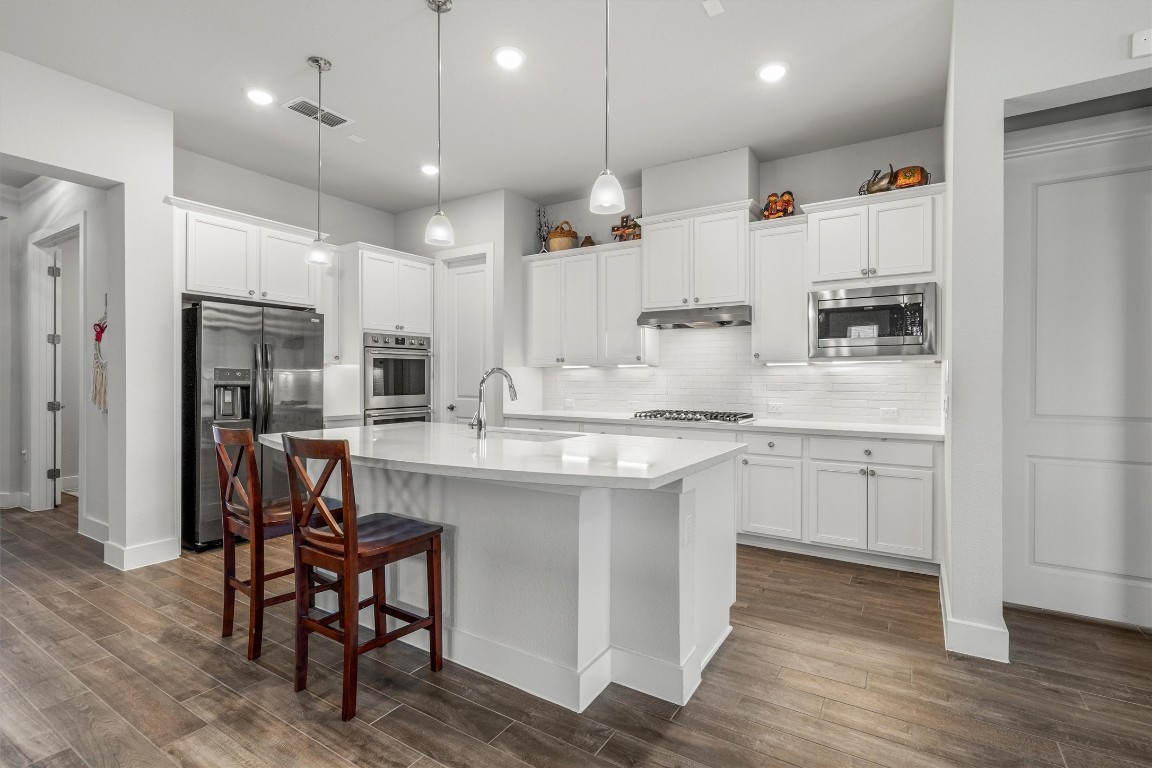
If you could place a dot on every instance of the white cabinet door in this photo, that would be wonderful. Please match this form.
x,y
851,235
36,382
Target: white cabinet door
x,y
838,504
900,511
414,297
329,306
771,497
839,244
223,257
544,328
379,275
286,277
901,236
622,342
667,250
779,302
719,259
579,309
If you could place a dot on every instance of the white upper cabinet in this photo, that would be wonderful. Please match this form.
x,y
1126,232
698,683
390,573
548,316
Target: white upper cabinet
x,y
222,256
395,292
578,309
667,257
328,305
414,297
899,234
622,341
779,302
696,258
286,276
545,340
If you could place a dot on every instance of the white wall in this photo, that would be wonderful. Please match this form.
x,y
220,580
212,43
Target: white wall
x,y
724,177
11,355
598,225
128,143
72,347
999,51
207,180
834,173
713,369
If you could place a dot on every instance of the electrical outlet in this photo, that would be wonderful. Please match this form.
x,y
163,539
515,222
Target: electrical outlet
x,y
1142,43
689,533
775,407
889,413
570,403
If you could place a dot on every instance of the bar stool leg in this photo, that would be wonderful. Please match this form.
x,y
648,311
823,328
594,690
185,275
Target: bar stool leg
x,y
351,641
436,641
304,577
229,590
379,592
256,598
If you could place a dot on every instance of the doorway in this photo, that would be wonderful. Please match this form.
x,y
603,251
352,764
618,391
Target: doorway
x,y
1077,367
463,300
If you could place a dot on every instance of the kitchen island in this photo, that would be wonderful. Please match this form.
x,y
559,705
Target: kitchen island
x,y
569,560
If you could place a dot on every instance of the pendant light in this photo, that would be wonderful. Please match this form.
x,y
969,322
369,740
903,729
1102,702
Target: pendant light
x,y
319,252
439,230
607,195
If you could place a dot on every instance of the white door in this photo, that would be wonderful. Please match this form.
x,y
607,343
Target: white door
x,y
328,304
621,340
720,259
414,297
901,236
579,310
839,244
379,277
460,342
779,302
771,499
666,249
1078,367
286,277
544,331
900,511
223,257
838,504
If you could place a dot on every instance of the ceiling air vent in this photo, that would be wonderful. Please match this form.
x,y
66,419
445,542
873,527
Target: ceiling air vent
x,y
308,108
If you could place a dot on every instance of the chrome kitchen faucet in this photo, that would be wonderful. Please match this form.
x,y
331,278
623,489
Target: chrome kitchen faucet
x,y
478,419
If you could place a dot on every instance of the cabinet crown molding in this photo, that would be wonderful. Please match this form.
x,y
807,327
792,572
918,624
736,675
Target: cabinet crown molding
x,y
215,210
380,249
879,197
601,248
738,205
785,221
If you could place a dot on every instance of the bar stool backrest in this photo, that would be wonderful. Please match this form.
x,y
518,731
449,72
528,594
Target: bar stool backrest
x,y
312,519
238,498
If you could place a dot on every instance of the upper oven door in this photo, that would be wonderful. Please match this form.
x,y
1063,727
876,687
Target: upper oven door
x,y
396,379
897,321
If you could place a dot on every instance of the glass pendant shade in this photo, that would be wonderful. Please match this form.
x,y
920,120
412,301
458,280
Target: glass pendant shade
x,y
319,252
607,194
439,230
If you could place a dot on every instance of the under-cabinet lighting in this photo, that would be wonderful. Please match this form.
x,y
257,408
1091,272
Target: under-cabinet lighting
x,y
578,459
575,366
632,365
857,362
772,365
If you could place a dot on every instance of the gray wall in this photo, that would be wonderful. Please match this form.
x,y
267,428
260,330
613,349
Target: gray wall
x,y
834,173
207,180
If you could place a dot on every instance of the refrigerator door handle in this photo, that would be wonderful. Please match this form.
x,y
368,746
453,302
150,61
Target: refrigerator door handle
x,y
258,393
268,384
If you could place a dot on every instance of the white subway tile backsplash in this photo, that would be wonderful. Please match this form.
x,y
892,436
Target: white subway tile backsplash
x,y
713,369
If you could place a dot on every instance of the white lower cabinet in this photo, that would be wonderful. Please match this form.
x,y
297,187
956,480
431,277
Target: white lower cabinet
x,y
837,504
771,500
900,511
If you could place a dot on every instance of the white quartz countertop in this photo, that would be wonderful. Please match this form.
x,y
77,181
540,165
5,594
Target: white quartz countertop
x,y
526,456
784,426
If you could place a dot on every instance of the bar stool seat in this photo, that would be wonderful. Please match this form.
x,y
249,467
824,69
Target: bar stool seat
x,y
382,531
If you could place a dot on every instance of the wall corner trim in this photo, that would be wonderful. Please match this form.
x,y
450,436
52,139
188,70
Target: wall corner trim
x,y
140,555
970,638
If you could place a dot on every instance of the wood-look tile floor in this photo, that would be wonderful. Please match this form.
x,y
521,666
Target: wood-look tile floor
x,y
828,664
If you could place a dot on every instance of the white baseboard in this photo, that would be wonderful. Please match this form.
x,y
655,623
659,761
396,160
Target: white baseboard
x,y
12,499
844,555
140,555
70,483
93,529
970,638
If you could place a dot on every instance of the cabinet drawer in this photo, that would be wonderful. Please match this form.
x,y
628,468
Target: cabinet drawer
x,y
871,451
685,434
552,426
605,429
773,445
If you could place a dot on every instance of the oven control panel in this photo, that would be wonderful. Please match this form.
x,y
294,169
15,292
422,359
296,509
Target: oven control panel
x,y
397,341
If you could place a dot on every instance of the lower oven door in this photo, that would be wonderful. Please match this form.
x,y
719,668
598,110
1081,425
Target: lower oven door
x,y
396,379
396,416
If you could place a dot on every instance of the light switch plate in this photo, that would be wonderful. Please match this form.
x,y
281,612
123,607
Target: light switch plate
x,y
1142,43
689,533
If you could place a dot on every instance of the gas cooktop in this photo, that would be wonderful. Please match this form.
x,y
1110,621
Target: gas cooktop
x,y
727,417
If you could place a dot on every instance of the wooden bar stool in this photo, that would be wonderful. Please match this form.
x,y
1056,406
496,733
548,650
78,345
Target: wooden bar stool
x,y
244,513
349,547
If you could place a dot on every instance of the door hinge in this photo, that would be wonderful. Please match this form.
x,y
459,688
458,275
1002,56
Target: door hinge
x,y
53,338
55,405
53,271
53,474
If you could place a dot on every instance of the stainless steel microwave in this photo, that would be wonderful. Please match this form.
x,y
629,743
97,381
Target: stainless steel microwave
x,y
872,322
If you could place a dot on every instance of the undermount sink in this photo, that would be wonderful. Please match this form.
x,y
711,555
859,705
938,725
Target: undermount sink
x,y
529,435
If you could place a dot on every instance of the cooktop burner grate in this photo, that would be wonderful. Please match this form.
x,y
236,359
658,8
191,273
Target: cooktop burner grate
x,y
727,417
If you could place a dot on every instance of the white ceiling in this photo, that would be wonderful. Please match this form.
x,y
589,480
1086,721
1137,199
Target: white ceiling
x,y
684,84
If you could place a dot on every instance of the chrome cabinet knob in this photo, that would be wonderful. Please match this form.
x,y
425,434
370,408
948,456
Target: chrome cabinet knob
x,y
867,451
872,473
757,355
251,293
744,462
863,271
685,301
637,358
872,270
771,444
264,293
401,327
697,299
863,471
451,406
336,357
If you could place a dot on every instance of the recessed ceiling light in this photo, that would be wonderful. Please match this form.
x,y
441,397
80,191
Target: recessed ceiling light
x,y
772,71
429,169
508,57
260,96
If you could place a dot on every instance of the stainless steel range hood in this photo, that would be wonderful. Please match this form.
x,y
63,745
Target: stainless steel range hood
x,y
697,317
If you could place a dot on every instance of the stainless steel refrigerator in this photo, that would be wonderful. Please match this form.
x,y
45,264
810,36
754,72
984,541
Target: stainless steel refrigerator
x,y
243,366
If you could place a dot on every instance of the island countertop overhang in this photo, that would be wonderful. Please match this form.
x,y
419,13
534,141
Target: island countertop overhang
x,y
521,456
